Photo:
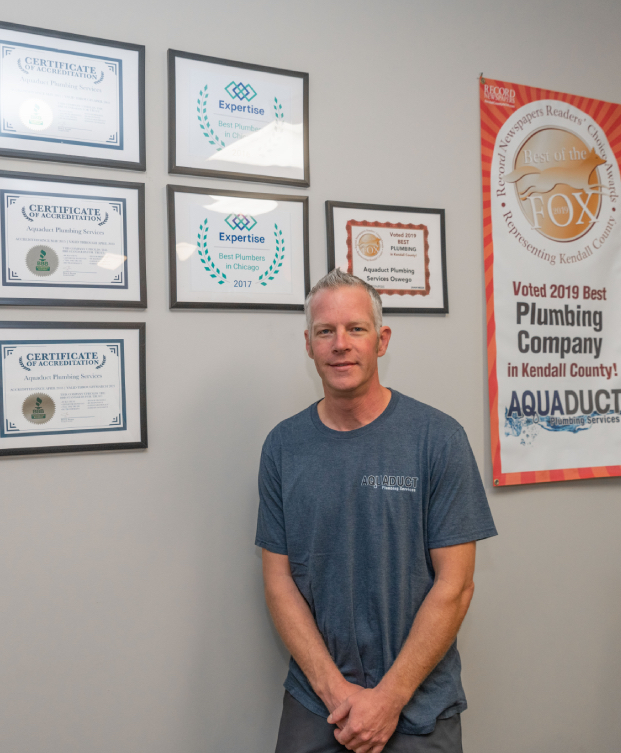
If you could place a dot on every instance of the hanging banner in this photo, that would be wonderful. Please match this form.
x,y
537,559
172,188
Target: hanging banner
x,y
552,234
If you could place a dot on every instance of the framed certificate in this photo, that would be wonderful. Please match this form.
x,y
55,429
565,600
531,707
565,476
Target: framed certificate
x,y
400,251
237,121
69,98
237,250
71,242
71,387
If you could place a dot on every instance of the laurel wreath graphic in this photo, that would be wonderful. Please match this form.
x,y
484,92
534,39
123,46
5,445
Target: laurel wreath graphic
x,y
104,221
274,140
274,267
203,120
19,65
101,364
100,79
21,363
278,113
26,217
207,261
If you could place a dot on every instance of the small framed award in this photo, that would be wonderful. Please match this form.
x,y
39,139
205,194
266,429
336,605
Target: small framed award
x,y
71,242
400,251
237,121
70,98
237,250
72,387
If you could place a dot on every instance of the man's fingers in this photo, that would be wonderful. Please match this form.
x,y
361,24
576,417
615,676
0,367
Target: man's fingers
x,y
352,742
364,747
340,712
344,736
341,736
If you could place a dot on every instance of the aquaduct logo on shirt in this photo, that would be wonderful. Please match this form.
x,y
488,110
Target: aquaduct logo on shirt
x,y
391,483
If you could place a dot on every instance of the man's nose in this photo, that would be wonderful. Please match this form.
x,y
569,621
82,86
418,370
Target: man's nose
x,y
341,341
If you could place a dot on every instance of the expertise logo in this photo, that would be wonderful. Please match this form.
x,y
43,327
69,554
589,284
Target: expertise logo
x,y
240,91
391,483
240,221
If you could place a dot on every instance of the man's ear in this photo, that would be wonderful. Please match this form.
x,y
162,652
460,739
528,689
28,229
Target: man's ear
x,y
384,339
309,347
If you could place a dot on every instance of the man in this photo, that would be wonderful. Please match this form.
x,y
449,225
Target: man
x,y
371,503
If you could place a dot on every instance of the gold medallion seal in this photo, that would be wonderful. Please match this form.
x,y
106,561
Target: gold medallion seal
x,y
558,183
42,261
38,408
369,245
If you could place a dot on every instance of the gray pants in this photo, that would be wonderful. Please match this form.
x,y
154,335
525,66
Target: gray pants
x,y
301,731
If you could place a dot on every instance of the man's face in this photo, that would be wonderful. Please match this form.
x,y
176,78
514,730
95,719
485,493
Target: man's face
x,y
343,342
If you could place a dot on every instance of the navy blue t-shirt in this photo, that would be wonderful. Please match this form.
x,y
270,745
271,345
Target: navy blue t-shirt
x,y
357,512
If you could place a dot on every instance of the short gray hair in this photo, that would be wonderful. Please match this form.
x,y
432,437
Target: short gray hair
x,y
339,279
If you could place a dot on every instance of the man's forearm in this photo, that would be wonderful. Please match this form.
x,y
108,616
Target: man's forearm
x,y
433,631
372,715
298,630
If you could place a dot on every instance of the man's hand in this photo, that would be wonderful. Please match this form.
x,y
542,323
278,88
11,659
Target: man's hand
x,y
336,695
371,717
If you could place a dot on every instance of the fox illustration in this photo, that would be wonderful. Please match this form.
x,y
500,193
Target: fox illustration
x,y
541,181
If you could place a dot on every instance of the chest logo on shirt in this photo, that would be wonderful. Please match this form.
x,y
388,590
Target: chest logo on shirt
x,y
391,483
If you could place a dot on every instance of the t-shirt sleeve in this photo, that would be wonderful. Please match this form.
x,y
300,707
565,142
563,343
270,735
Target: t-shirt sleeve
x,y
458,508
270,523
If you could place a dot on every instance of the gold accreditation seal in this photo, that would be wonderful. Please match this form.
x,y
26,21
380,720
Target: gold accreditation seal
x,y
38,408
369,245
36,114
42,261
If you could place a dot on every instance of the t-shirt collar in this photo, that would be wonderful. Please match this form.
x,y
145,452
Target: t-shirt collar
x,y
353,433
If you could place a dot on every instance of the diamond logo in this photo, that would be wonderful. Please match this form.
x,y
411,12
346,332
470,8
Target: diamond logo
x,y
240,91
240,221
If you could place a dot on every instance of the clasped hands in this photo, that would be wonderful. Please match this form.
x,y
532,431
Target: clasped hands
x,y
366,719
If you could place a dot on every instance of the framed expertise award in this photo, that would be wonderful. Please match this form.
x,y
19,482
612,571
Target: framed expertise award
x,y
70,387
237,121
71,242
400,251
239,250
70,98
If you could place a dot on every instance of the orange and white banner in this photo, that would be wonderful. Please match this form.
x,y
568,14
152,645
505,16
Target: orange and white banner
x,y
552,233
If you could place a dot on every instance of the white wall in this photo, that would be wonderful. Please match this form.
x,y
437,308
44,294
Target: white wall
x,y
133,617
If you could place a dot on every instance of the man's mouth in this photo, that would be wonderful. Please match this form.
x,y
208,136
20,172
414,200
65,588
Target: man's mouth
x,y
342,365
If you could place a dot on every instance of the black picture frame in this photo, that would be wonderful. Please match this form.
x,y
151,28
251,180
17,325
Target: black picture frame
x,y
143,443
172,190
332,205
176,169
89,303
140,164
